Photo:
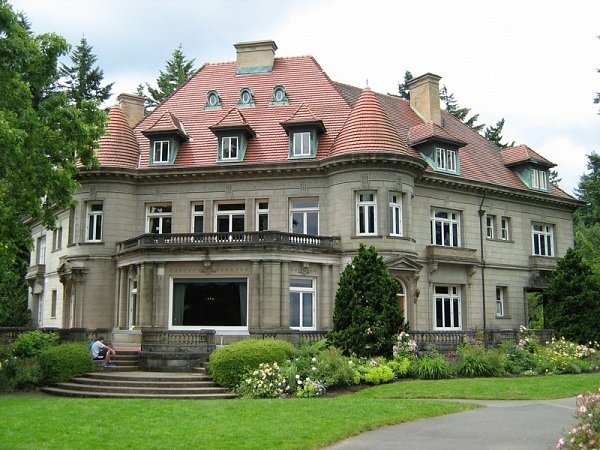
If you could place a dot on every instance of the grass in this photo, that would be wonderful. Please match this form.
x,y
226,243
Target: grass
x,y
45,422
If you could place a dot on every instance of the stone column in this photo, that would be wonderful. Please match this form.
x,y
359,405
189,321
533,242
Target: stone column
x,y
254,297
284,320
145,294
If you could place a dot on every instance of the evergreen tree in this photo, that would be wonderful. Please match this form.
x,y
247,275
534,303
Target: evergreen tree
x,y
588,190
82,80
494,134
367,317
403,87
572,306
458,112
177,71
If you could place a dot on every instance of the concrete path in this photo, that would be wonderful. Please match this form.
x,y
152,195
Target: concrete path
x,y
506,425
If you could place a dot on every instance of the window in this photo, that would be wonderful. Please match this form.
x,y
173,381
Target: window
x,y
262,215
302,303
500,296
197,217
57,239
539,179
490,226
542,236
304,217
366,213
395,206
279,96
229,148
445,228
53,300
94,222
505,228
41,250
301,143
161,152
212,302
445,159
447,307
246,98
230,217
159,218
213,100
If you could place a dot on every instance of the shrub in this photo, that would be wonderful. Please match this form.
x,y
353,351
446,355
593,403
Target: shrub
x,y
379,374
333,368
587,432
309,388
400,365
63,362
475,361
229,364
516,359
268,381
431,367
33,343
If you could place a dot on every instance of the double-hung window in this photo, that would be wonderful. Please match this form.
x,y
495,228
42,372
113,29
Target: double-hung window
x,y
490,227
445,228
159,218
301,143
230,217
447,306
500,296
304,216
57,239
395,207
94,222
161,153
366,213
198,217
302,303
542,237
445,159
505,228
41,250
262,215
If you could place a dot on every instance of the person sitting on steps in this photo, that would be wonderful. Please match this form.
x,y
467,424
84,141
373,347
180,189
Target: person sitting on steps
x,y
101,351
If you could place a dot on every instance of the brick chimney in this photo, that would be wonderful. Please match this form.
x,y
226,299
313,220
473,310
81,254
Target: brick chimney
x,y
133,108
255,57
425,97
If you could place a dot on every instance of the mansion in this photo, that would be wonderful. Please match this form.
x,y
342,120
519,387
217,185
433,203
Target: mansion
x,y
235,205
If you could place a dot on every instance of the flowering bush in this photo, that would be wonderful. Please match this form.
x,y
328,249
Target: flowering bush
x,y
586,435
267,381
405,345
528,340
309,388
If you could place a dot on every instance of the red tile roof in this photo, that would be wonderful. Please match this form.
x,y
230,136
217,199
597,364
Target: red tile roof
x,y
353,120
368,129
119,147
165,124
523,154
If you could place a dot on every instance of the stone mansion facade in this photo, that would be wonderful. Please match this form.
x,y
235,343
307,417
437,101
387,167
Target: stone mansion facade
x,y
236,203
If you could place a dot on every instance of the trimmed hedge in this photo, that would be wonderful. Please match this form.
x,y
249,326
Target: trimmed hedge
x,y
229,364
61,363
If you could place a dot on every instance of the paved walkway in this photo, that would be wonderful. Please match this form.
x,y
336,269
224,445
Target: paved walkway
x,y
505,425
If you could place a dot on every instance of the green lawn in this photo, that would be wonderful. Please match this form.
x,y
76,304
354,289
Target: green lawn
x,y
46,422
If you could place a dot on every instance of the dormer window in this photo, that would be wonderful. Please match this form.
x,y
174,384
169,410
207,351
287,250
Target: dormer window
x,y
301,144
539,179
161,152
233,132
445,159
279,96
246,98
229,148
213,100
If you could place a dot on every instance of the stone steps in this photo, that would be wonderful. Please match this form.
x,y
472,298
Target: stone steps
x,y
135,384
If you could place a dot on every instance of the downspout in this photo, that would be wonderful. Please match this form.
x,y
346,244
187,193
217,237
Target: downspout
x,y
481,213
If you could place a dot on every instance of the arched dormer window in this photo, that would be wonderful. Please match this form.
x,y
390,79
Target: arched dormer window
x,y
213,100
246,98
279,96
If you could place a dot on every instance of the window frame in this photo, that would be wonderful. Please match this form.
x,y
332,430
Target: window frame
x,y
305,211
94,221
262,211
454,226
231,214
57,237
505,231
395,214
230,140
366,213
197,214
53,303
161,216
542,240
539,179
41,250
454,299
501,301
446,159
308,142
162,159
303,291
490,226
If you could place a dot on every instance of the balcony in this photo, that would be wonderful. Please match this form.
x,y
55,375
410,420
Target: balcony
x,y
247,239
456,255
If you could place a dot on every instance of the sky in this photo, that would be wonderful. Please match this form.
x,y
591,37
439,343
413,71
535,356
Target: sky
x,y
532,62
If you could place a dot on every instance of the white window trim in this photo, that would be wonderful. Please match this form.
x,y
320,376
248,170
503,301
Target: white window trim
x,y
445,159
545,236
539,179
305,210
451,296
159,151
500,301
305,290
366,214
305,137
230,215
260,212
395,209
158,215
41,250
195,214
505,228
229,156
94,222
452,222
490,226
